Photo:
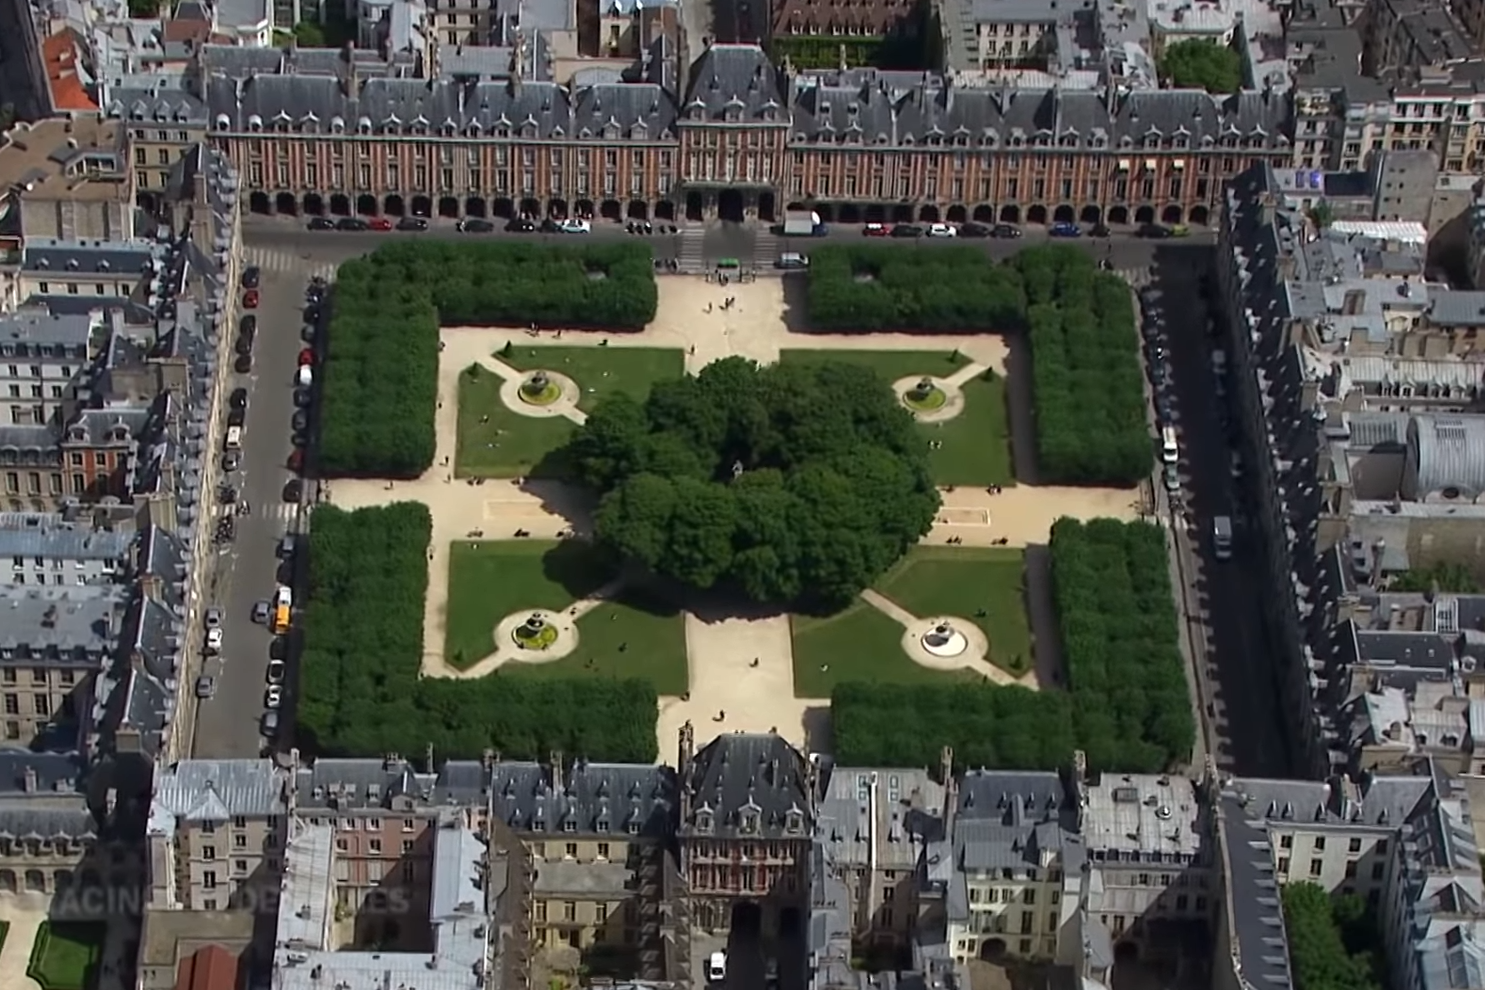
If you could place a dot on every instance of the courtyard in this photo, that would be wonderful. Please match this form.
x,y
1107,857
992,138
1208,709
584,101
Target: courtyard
x,y
514,587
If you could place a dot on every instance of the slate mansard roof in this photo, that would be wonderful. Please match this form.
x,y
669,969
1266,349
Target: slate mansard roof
x,y
753,786
586,798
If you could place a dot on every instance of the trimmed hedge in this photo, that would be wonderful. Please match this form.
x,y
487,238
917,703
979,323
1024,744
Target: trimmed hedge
x,y
1087,387
868,287
1127,706
381,366
360,693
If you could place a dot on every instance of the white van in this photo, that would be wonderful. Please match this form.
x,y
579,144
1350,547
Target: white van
x,y
284,596
716,967
1169,452
304,377
233,440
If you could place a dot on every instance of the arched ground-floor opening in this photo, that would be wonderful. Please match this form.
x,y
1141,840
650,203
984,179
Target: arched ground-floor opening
x,y
314,204
876,213
638,210
902,213
340,204
1063,214
766,207
259,202
530,207
286,203
1145,214
1091,214
366,205
611,209
695,206
583,207
665,210
1199,214
422,206
503,207
849,213
1036,214
825,211
1010,214
957,214
928,213
992,949
475,206
1172,214
393,206
983,214
730,205
448,206
557,209
1119,214
747,918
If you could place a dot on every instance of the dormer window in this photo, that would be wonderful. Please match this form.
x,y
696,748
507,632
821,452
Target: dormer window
x,y
602,825
281,125
794,822
704,820
448,129
474,128
633,828
363,126
255,123
748,822
569,825
223,122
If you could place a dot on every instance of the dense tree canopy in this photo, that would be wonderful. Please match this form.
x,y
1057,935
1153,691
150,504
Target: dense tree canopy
x,y
866,287
1332,940
1201,64
1087,387
359,689
381,368
1126,706
795,483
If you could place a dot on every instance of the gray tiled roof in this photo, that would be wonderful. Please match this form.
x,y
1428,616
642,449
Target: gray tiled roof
x,y
47,254
216,791
908,804
38,332
586,798
24,534
736,78
163,99
60,624
737,777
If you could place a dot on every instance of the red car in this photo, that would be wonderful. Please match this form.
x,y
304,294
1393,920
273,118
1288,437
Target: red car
x,y
296,460
306,357
875,230
250,299
379,223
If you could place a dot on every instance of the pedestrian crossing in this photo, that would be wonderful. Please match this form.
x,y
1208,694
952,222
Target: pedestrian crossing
x,y
284,512
280,262
1137,277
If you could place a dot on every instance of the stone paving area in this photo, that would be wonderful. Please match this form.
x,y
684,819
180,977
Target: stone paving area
x,y
728,691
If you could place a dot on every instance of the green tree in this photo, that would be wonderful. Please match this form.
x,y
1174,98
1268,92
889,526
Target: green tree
x,y
308,34
794,483
1448,577
1200,64
1318,929
1322,214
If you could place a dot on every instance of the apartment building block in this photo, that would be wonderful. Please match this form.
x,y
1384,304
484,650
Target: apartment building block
x,y
69,178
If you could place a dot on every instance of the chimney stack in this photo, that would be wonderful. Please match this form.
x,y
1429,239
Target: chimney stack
x,y
30,780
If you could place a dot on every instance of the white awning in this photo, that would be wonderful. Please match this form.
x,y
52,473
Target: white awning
x,y
1124,164
1178,163
1149,164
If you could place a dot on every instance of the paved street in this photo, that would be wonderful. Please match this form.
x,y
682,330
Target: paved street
x,y
1223,616
248,569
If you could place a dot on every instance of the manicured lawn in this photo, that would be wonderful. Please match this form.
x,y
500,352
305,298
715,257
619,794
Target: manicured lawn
x,y
495,441
975,445
491,579
602,370
653,635
65,954
858,643
964,581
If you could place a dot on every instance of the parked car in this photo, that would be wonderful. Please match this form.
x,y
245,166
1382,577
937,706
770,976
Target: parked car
x,y
250,277
231,460
875,230
1006,230
261,610
942,230
1065,229
907,230
973,229
1172,478
412,223
273,697
238,399
237,417
312,314
293,490
301,419
716,967
299,439
1152,230
278,648
475,225
214,638
276,671
269,725
575,226
320,223
250,299
352,224
792,261
1179,230
307,333
306,357
243,365
295,460
206,687
213,617
520,226
379,223
301,397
